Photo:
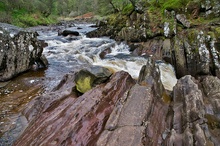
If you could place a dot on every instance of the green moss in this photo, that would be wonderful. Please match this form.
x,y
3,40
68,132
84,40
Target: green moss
x,y
117,21
169,5
211,34
127,9
192,35
172,5
204,21
2,6
84,84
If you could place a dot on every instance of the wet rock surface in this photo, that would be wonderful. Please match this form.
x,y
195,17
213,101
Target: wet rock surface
x,y
20,51
14,96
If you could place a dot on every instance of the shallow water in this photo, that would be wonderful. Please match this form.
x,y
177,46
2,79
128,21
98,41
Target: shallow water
x,y
66,54
14,95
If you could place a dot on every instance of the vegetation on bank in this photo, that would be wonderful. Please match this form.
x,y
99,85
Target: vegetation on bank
x,y
26,13
23,17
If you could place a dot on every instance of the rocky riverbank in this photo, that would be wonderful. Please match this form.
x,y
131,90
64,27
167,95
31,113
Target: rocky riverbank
x,y
122,112
119,110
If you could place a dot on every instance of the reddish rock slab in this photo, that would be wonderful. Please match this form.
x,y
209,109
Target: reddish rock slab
x,y
125,126
76,120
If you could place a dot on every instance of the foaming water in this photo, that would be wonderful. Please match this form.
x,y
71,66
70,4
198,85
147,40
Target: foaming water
x,y
86,51
167,76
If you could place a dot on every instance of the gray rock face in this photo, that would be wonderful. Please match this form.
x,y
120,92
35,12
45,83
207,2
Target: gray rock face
x,y
192,51
20,50
195,115
196,54
188,114
211,86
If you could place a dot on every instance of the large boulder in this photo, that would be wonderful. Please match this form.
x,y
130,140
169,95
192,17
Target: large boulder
x,y
20,50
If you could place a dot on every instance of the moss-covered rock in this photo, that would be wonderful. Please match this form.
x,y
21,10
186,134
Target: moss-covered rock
x,y
84,81
87,78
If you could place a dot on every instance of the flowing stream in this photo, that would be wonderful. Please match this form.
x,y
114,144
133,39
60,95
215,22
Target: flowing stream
x,y
66,54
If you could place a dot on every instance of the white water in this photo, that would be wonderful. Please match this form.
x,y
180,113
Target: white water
x,y
67,54
167,76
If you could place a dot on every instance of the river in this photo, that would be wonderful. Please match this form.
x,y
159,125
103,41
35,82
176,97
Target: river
x,y
66,54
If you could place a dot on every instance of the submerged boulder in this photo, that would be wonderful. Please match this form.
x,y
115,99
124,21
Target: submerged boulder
x,y
20,50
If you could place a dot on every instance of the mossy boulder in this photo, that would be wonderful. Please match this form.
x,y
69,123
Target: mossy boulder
x,y
90,77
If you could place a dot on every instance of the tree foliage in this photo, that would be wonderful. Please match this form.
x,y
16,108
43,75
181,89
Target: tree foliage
x,y
64,7
17,9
